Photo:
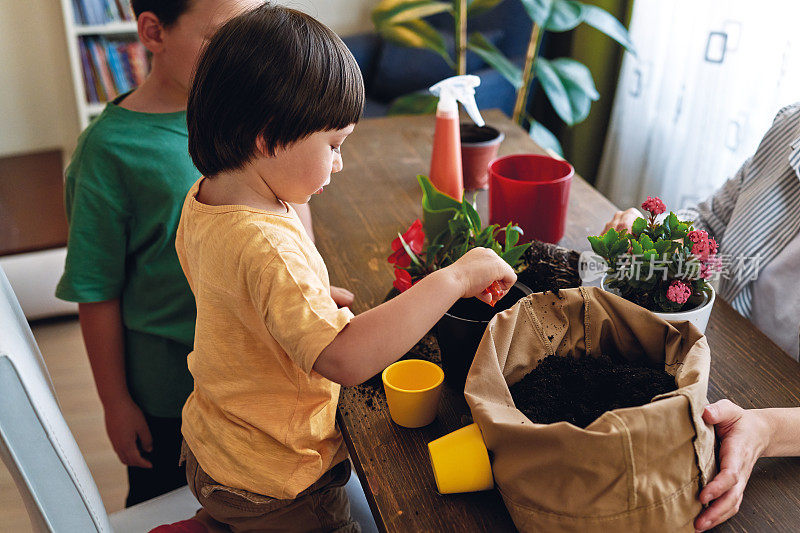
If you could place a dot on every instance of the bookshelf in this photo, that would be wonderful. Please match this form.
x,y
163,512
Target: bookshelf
x,y
105,55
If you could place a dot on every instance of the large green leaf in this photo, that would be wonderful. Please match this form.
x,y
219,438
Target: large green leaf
x,y
576,73
568,85
544,137
538,10
564,16
476,7
604,21
414,104
434,200
417,34
390,12
495,58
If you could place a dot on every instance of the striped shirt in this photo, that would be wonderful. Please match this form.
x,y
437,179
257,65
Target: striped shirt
x,y
756,213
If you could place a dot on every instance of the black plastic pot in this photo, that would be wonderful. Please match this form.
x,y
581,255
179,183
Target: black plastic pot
x,y
460,331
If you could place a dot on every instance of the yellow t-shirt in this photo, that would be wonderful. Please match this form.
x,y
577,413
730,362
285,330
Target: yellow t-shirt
x,y
259,418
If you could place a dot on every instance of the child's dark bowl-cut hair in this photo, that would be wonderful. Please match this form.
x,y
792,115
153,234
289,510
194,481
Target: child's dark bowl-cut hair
x,y
272,72
167,11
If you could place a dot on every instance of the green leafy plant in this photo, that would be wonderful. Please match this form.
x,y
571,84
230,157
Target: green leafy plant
x,y
413,261
660,266
567,83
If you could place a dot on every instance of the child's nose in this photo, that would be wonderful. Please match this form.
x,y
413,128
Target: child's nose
x,y
337,164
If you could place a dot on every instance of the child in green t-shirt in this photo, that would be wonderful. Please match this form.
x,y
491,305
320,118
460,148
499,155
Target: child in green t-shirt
x,y
124,189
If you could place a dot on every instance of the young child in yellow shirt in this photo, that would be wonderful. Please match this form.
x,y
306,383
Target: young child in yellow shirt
x,y
274,96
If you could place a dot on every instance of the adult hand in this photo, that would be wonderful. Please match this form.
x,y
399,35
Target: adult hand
x,y
623,220
127,429
743,436
342,297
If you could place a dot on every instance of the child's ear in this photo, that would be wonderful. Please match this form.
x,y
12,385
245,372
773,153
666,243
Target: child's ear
x,y
151,32
261,146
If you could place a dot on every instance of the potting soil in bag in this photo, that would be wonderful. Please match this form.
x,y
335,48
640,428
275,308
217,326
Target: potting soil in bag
x,y
633,469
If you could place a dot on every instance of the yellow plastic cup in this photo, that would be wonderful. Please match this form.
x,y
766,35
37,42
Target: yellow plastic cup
x,y
460,461
413,388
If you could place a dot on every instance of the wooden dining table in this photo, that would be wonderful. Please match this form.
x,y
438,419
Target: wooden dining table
x,y
355,219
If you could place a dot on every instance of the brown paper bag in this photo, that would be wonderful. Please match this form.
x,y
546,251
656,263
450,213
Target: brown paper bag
x,y
633,469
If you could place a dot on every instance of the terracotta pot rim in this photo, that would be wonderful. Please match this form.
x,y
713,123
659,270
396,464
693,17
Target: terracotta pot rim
x,y
491,142
497,139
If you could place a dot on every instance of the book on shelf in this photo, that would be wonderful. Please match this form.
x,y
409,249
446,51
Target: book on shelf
x,y
99,12
111,66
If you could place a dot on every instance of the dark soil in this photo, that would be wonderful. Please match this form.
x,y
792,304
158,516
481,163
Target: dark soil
x,y
472,133
474,309
548,267
580,390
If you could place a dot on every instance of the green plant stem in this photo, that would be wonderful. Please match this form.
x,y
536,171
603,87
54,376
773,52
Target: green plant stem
x,y
527,74
461,36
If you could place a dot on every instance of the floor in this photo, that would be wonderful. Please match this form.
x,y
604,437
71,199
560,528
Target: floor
x,y
62,347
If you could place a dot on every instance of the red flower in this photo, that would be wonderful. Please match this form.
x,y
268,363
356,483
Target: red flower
x,y
415,238
654,205
402,280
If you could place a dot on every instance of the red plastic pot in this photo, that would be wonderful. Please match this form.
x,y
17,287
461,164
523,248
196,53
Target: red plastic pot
x,y
533,192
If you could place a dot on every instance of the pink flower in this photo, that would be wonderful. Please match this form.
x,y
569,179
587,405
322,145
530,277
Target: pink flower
x,y
654,205
703,246
712,267
678,292
697,235
702,250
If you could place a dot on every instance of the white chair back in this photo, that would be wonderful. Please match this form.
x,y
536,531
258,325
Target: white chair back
x,y
35,442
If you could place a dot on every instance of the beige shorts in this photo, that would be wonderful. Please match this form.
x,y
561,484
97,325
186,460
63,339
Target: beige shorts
x,y
322,507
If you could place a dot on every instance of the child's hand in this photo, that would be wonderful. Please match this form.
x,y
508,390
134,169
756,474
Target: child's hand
x,y
478,269
128,431
342,297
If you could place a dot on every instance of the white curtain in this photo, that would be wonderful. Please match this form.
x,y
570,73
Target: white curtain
x,y
691,106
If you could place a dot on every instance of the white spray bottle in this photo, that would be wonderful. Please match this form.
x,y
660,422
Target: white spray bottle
x,y
446,172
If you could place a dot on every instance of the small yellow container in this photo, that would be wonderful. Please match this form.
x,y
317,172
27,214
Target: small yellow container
x,y
413,388
460,461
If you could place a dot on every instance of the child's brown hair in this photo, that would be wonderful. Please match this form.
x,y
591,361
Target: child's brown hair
x,y
273,72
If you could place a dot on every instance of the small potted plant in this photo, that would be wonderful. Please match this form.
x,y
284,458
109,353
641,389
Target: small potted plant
x,y
479,146
662,266
462,327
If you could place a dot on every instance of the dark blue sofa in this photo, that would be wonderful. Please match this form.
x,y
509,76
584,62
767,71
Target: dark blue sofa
x,y
391,70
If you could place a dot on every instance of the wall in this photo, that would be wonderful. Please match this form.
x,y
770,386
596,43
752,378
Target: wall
x,y
37,101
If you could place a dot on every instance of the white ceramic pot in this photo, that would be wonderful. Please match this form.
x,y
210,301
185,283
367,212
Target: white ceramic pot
x,y
698,316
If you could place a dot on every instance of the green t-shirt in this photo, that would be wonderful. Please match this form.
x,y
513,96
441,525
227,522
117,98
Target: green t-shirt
x,y
124,190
